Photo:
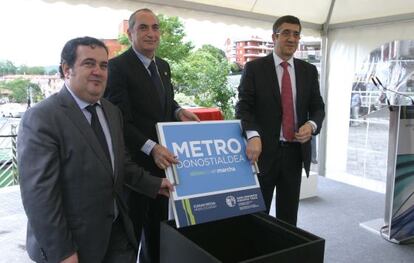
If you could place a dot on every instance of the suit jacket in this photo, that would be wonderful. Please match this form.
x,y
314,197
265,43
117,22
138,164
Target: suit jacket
x,y
260,108
130,87
67,184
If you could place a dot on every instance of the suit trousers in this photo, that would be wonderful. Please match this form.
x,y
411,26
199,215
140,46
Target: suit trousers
x,y
120,248
285,175
138,206
150,240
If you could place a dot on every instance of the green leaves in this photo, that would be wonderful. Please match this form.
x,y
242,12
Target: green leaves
x,y
172,46
7,68
18,90
203,74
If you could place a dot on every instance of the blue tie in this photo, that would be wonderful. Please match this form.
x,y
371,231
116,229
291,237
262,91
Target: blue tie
x,y
155,78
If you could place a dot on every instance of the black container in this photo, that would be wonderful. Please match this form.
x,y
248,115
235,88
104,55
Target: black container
x,y
249,238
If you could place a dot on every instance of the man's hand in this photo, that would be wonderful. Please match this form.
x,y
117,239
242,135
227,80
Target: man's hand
x,y
166,187
305,133
71,259
162,157
253,149
185,115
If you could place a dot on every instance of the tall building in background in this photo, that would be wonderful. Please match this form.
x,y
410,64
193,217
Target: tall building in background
x,y
245,50
114,47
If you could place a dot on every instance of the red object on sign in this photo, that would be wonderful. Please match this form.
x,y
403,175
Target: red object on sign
x,y
207,114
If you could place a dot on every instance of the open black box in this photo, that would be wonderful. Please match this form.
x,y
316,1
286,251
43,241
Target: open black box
x,y
250,238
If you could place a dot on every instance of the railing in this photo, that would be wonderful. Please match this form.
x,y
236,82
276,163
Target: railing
x,y
8,159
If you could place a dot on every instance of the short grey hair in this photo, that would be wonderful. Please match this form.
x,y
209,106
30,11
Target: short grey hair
x,y
131,21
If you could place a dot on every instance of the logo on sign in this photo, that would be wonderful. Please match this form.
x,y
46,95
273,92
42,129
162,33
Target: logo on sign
x,y
230,201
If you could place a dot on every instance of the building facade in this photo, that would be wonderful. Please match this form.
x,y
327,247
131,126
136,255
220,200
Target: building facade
x,y
245,50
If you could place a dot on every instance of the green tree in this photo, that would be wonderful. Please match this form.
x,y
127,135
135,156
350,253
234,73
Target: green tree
x,y
52,72
216,52
172,47
26,70
22,70
203,74
7,68
236,68
19,89
37,70
123,40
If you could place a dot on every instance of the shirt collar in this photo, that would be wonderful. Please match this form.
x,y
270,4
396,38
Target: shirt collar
x,y
278,60
145,60
81,103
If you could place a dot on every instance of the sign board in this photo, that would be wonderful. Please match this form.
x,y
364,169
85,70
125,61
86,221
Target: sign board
x,y
400,181
214,179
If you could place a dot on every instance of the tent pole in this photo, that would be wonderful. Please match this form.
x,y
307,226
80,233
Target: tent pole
x,y
324,89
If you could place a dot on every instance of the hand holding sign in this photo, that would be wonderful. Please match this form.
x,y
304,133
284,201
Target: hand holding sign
x,y
213,178
162,157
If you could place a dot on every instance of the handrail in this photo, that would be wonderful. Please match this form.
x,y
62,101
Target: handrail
x,y
8,159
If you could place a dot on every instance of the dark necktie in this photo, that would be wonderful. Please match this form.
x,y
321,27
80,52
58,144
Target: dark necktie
x,y
97,128
288,119
155,78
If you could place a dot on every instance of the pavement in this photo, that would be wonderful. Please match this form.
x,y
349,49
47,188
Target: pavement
x,y
12,227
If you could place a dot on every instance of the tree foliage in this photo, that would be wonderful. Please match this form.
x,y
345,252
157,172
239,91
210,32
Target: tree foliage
x,y
236,68
123,40
26,70
172,47
52,72
19,88
203,74
7,68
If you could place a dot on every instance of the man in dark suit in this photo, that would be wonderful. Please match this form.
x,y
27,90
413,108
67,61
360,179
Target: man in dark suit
x,y
140,84
73,167
280,107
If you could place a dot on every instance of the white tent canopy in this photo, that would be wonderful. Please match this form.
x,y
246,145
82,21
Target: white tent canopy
x,y
350,29
313,13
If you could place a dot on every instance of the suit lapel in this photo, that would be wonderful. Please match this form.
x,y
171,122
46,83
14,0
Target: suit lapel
x,y
75,114
299,87
113,123
147,87
165,79
270,71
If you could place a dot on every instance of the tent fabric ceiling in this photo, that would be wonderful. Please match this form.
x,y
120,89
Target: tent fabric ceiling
x,y
316,11
299,8
313,13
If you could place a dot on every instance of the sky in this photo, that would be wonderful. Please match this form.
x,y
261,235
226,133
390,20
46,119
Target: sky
x,y
35,34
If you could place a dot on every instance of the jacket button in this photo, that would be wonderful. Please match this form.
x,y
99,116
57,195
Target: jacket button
x,y
43,254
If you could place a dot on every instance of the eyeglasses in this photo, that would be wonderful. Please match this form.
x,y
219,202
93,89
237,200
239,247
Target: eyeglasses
x,y
287,33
